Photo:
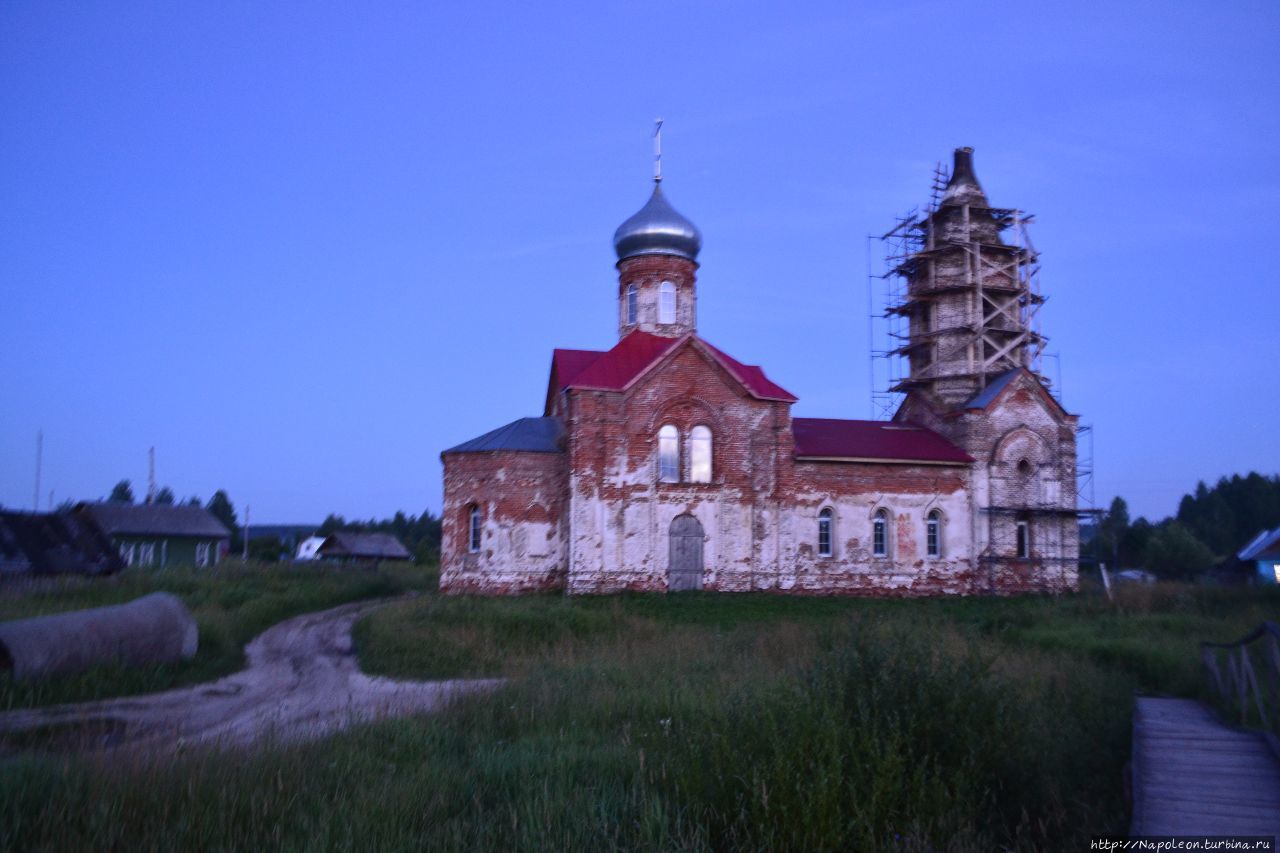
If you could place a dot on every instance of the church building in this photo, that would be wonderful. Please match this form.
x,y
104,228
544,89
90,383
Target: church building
x,y
665,464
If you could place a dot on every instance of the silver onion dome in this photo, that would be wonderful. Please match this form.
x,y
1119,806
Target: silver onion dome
x,y
657,229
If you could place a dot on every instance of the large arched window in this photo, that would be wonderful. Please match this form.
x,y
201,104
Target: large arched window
x,y
669,454
933,534
473,529
825,519
880,533
632,304
700,455
666,302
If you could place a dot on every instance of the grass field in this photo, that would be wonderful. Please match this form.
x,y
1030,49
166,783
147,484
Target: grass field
x,y
691,722
231,603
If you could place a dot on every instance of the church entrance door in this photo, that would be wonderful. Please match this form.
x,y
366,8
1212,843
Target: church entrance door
x,y
685,571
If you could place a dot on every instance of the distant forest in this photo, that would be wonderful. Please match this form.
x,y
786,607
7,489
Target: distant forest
x,y
1211,525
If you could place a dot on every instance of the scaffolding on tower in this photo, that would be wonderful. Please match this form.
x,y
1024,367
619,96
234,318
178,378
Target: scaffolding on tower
x,y
1000,326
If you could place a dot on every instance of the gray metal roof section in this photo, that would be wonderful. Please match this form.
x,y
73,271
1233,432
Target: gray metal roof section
x,y
533,435
382,546
121,519
984,397
1261,544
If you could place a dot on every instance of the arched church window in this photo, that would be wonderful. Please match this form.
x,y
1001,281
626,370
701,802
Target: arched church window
x,y
632,304
473,529
825,519
880,534
1023,533
700,455
666,302
933,534
669,454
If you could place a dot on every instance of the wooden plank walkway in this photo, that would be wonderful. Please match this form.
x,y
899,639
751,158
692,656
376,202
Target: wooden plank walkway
x,y
1194,776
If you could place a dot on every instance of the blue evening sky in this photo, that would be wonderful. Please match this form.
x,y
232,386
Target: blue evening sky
x,y
300,248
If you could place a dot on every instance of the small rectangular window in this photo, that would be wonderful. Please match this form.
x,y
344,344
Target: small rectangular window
x,y
474,530
1024,540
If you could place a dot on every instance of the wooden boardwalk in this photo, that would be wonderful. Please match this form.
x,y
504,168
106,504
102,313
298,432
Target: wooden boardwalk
x,y
1194,776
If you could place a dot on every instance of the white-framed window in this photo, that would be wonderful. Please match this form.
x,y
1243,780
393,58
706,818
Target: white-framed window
x,y
128,553
700,454
933,534
202,554
473,529
147,554
826,520
633,306
880,533
666,302
1023,539
669,454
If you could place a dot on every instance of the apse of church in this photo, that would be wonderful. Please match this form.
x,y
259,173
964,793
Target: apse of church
x,y
665,464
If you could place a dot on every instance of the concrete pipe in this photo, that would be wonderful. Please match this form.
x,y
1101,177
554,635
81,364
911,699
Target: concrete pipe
x,y
156,628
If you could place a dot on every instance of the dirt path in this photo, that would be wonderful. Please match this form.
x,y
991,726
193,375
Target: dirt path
x,y
302,682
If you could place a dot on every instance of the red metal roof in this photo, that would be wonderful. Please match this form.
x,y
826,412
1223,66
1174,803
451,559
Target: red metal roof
x,y
637,352
752,376
566,364
827,438
614,370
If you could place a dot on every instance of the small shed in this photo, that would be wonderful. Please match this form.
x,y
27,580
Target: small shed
x,y
1264,552
362,547
53,544
160,535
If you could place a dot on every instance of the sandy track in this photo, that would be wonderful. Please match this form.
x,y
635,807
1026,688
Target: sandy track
x,y
302,682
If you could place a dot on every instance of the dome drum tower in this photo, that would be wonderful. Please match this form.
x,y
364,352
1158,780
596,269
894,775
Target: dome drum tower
x,y
657,252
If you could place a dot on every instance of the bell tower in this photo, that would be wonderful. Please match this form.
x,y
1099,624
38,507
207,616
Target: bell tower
x,y
971,295
657,252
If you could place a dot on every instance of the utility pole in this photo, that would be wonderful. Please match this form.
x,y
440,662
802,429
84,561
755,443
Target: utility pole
x,y
151,476
35,500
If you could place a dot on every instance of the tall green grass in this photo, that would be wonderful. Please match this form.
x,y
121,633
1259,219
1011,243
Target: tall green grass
x,y
687,722
231,603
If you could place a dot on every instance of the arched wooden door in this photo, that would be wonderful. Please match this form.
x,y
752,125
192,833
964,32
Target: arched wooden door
x,y
685,570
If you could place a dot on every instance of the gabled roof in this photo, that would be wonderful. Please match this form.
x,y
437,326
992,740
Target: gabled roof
x,y
535,435
55,543
885,441
752,376
637,353
379,546
987,395
121,519
1265,546
996,388
566,364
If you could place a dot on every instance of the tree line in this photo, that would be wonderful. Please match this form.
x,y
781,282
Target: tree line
x,y
1211,525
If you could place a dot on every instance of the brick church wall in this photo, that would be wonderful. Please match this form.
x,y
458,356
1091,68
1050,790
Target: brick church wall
x,y
522,498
